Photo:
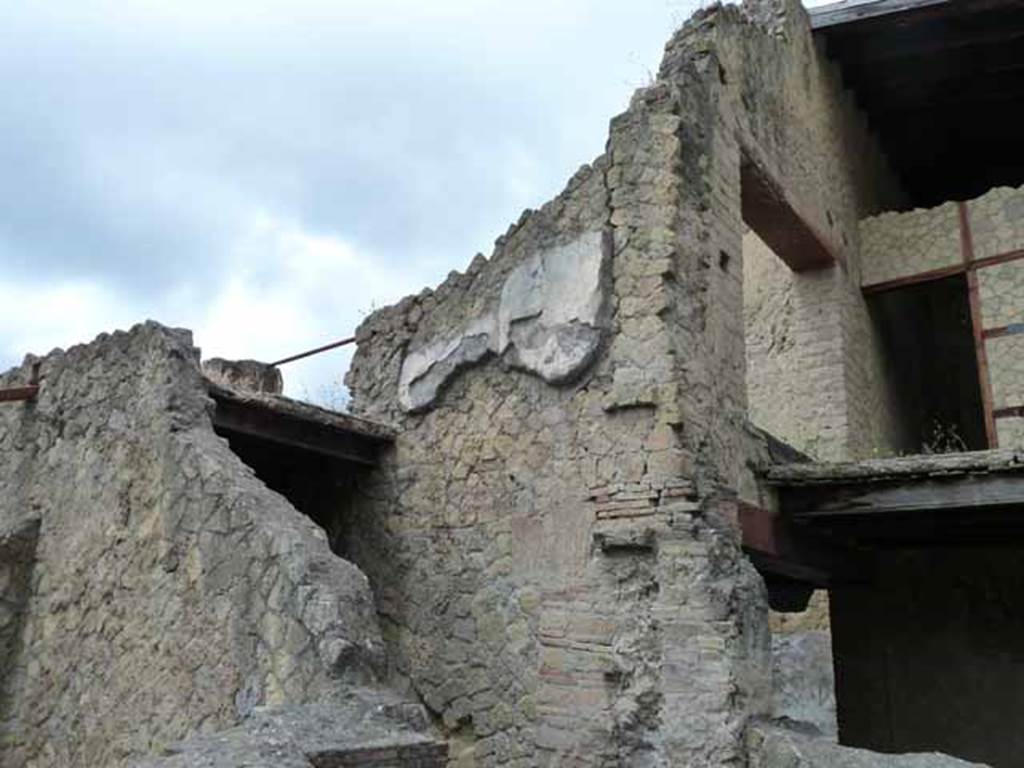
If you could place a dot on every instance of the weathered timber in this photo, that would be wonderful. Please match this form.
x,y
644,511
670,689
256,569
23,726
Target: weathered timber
x,y
298,425
966,493
849,11
767,210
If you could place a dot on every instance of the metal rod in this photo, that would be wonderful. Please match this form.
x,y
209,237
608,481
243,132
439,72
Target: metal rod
x,y
318,350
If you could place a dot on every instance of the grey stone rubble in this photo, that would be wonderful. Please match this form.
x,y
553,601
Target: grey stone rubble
x,y
361,728
248,375
789,745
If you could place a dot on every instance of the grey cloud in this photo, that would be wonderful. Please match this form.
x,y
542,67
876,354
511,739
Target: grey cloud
x,y
132,153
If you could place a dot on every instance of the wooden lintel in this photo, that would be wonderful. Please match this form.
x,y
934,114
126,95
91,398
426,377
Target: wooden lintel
x,y
977,330
942,272
922,277
768,211
776,549
246,418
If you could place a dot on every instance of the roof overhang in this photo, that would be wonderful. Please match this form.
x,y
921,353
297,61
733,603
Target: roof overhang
x,y
942,84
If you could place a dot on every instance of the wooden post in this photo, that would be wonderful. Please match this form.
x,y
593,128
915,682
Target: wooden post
x,y
974,298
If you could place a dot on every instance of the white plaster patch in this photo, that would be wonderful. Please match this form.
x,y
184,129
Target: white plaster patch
x,y
549,321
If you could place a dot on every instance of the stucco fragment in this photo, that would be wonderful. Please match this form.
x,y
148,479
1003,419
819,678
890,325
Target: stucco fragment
x,y
550,319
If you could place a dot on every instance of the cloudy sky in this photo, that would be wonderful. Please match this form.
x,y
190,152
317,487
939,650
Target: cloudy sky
x,y
265,172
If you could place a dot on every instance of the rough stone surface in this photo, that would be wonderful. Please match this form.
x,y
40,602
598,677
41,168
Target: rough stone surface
x,y
803,685
247,375
169,590
899,245
777,746
361,729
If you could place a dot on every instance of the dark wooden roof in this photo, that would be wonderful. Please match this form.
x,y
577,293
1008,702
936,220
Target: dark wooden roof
x,y
935,500
294,424
942,83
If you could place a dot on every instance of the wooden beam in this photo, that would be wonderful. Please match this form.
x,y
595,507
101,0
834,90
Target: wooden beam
x,y
777,548
969,495
1001,258
850,11
17,394
767,210
1009,413
974,299
1013,329
247,418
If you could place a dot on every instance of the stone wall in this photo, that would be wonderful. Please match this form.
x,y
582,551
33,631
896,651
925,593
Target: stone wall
x,y
152,586
997,222
896,245
815,371
552,542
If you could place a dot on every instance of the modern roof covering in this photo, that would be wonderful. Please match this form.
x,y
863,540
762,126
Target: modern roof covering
x,y
297,425
942,83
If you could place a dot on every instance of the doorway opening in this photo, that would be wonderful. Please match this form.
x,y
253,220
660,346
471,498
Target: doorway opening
x,y
928,340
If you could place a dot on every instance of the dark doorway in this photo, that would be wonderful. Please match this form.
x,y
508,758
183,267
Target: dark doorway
x,y
319,486
929,344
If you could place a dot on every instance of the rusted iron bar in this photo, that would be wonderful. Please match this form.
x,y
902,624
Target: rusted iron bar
x,y
317,351
19,394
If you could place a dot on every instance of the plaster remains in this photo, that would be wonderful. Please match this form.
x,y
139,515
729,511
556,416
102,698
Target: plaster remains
x,y
623,493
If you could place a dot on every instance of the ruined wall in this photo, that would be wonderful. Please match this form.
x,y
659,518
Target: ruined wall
x,y
553,570
815,371
928,655
152,585
552,543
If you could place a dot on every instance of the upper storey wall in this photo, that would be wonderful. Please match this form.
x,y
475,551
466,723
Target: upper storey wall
x,y
815,373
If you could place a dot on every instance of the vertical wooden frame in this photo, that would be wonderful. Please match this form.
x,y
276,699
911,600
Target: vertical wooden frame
x,y
974,298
